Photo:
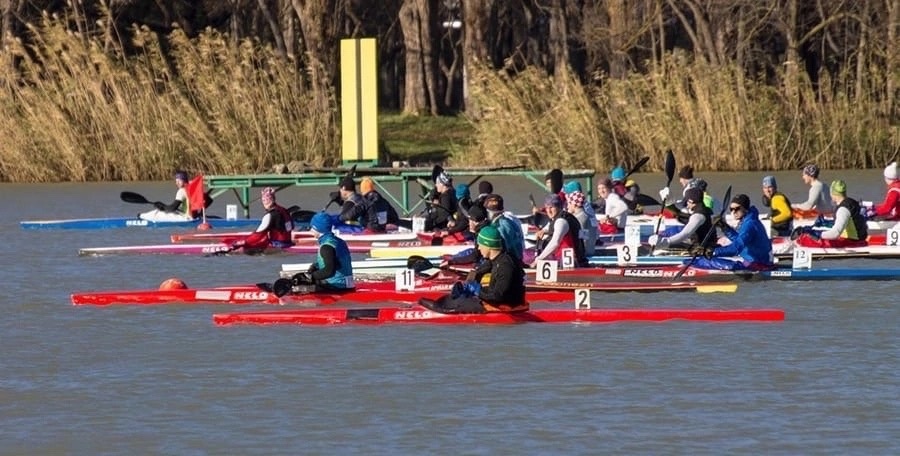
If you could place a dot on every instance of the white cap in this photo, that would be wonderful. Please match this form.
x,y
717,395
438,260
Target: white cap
x,y
891,171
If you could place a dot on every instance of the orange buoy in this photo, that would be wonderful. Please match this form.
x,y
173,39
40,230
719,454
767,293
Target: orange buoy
x,y
173,284
204,226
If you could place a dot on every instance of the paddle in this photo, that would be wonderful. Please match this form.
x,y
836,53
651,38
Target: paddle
x,y
641,163
670,173
708,236
137,198
420,265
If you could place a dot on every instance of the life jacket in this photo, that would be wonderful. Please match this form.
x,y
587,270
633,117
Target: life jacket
x,y
280,225
857,229
786,225
376,215
704,229
343,274
571,240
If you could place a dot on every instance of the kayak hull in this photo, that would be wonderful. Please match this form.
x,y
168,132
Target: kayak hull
x,y
365,293
131,222
419,315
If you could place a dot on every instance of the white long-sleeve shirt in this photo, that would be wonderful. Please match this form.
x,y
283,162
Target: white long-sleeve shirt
x,y
617,209
683,236
819,198
560,229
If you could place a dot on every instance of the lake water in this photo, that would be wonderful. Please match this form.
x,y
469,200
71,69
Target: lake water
x,y
165,380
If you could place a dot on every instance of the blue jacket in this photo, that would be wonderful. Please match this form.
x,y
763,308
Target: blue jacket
x,y
750,240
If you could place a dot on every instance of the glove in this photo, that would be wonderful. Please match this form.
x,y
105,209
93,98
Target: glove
x,y
472,288
159,206
820,221
796,232
664,193
870,212
814,234
312,268
653,240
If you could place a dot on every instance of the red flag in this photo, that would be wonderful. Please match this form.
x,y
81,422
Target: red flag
x,y
195,194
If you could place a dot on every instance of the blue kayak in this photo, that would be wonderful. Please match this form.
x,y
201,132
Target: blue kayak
x,y
131,222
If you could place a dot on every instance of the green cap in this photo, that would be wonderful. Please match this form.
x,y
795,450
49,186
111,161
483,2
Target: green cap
x,y
838,187
490,237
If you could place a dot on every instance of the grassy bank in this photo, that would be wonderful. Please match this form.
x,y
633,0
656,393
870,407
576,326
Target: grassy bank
x,y
77,111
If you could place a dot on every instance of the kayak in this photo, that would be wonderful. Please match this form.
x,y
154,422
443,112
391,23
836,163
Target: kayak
x,y
418,314
380,267
365,293
197,249
298,236
873,251
131,222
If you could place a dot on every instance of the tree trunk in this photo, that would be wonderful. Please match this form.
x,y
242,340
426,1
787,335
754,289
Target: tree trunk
x,y
477,16
618,31
420,89
320,50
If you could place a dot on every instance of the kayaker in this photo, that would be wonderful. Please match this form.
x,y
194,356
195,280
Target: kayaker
x,y
507,224
505,291
685,176
180,208
615,214
695,228
485,188
817,201
889,209
627,189
477,219
588,232
379,213
589,209
353,207
274,229
463,197
441,203
333,268
781,216
749,241
561,232
849,228
458,225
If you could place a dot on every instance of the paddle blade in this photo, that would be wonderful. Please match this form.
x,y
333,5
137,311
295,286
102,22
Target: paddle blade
x,y
670,167
637,166
647,200
282,287
131,197
419,263
435,172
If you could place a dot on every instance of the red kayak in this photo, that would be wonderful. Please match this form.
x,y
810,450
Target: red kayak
x,y
418,315
365,293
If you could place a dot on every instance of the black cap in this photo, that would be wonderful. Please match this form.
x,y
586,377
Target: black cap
x,y
477,214
686,172
347,183
485,187
742,200
694,194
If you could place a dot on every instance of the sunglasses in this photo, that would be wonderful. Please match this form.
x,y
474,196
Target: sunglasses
x,y
735,208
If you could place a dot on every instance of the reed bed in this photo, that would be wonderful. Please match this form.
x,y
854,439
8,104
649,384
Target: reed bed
x,y
79,112
76,109
713,117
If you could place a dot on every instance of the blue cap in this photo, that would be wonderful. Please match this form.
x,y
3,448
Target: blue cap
x,y
572,187
321,222
769,181
462,191
181,175
617,174
554,200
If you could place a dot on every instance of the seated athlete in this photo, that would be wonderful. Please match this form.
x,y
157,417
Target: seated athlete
x,y
781,216
750,241
505,292
849,228
889,209
333,268
274,229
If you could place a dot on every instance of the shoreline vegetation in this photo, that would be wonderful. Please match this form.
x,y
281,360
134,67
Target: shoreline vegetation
x,y
73,109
